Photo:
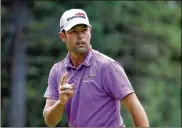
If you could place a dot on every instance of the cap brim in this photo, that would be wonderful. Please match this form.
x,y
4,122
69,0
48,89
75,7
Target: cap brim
x,y
68,27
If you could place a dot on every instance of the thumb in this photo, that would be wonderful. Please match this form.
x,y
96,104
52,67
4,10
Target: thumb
x,y
73,85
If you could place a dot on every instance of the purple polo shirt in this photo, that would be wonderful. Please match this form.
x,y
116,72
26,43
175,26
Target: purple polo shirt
x,y
100,83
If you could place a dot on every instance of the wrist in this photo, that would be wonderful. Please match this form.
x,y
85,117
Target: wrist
x,y
60,104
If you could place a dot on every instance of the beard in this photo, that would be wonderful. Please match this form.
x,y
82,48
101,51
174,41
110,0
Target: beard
x,y
81,50
81,47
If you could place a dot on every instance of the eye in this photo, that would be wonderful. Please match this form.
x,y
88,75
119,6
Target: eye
x,y
73,31
84,30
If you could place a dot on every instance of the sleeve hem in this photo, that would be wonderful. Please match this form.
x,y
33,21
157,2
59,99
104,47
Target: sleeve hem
x,y
126,92
50,97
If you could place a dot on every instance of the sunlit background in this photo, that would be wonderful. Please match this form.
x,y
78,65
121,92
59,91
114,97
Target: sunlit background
x,y
144,36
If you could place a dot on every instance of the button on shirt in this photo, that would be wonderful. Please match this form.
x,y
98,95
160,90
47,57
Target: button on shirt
x,y
100,84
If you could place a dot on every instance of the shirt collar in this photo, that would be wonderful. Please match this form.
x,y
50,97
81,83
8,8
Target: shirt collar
x,y
86,62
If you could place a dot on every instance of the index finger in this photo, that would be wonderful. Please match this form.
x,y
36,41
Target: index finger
x,y
63,79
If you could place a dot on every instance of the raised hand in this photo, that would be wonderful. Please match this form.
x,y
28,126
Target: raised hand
x,y
65,90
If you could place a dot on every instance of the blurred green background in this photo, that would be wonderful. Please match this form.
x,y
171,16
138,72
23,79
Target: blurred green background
x,y
144,36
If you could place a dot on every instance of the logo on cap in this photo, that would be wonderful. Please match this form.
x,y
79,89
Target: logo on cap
x,y
77,15
80,14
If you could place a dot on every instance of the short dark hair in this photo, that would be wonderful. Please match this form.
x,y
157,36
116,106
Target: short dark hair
x,y
63,31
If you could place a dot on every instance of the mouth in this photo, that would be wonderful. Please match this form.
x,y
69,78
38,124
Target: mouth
x,y
80,43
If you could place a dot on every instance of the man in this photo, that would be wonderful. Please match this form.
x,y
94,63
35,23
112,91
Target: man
x,y
88,85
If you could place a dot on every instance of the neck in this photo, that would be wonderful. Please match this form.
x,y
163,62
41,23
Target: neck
x,y
77,59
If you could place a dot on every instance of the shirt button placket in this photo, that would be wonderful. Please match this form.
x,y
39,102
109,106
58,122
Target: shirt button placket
x,y
75,78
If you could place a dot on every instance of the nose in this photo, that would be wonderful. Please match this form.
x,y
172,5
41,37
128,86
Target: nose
x,y
80,34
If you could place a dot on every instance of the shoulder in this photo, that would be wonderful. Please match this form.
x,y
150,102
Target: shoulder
x,y
104,60
56,68
59,64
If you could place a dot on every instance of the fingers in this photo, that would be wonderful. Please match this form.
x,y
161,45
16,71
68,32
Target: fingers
x,y
63,88
73,86
67,92
66,88
63,79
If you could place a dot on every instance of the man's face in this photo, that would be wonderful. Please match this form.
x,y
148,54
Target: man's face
x,y
77,39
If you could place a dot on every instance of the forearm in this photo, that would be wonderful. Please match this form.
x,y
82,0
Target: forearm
x,y
140,118
53,114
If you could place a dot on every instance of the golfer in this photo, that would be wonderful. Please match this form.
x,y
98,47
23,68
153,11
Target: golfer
x,y
87,85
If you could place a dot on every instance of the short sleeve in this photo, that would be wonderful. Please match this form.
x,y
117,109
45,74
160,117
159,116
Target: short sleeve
x,y
52,88
116,82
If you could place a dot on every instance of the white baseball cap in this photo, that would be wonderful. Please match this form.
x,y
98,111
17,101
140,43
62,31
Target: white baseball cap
x,y
73,17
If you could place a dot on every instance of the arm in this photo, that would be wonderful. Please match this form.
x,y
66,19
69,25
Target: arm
x,y
117,84
54,109
132,104
53,112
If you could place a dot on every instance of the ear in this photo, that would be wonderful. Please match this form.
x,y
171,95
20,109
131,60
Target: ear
x,y
62,36
90,32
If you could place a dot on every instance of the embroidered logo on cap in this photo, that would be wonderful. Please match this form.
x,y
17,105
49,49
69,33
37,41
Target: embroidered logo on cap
x,y
80,14
77,15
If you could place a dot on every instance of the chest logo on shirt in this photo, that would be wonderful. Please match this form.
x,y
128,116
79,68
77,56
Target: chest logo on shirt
x,y
87,78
